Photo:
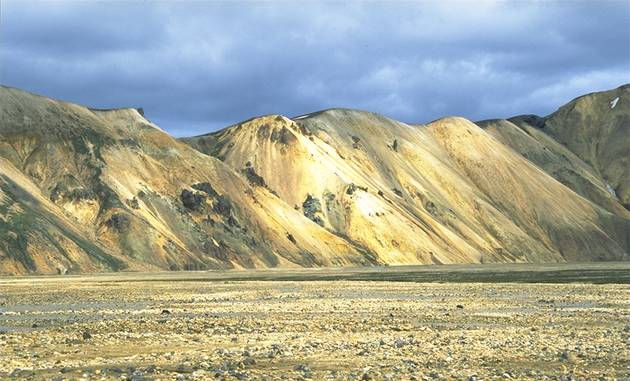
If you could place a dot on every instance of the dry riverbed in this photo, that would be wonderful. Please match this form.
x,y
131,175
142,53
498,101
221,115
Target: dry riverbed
x,y
197,327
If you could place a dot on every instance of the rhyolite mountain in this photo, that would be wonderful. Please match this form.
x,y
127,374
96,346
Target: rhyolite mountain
x,y
89,190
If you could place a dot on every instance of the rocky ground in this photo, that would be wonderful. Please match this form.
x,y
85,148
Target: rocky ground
x,y
136,328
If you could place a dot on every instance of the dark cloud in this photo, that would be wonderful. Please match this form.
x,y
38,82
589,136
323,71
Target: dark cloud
x,y
198,66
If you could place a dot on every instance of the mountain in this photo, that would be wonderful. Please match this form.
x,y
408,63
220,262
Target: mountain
x,y
87,190
584,145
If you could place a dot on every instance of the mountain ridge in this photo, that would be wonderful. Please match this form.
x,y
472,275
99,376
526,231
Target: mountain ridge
x,y
336,187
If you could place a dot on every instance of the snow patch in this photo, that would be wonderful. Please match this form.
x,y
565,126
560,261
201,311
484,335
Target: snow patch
x,y
610,189
302,116
613,103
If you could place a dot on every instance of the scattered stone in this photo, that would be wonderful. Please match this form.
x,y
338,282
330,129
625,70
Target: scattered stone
x,y
137,376
302,368
248,361
569,356
341,326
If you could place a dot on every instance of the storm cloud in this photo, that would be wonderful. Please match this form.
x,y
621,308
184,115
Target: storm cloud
x,y
199,66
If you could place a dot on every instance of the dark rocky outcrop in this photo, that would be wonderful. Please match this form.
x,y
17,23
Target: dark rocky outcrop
x,y
264,131
192,200
253,178
133,203
431,208
119,222
312,208
284,136
222,206
206,188
352,187
62,191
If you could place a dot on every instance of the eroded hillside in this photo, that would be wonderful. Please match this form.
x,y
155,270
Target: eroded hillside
x,y
86,190
91,190
446,192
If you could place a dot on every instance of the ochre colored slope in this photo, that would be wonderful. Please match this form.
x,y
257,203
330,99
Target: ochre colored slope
x,y
85,190
443,193
555,159
142,196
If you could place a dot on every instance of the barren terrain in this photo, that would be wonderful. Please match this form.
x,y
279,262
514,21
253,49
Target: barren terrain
x,y
438,322
86,190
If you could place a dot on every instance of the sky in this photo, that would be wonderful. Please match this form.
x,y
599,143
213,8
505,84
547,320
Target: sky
x,y
198,66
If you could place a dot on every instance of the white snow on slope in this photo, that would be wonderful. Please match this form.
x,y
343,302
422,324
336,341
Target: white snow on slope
x,y
613,103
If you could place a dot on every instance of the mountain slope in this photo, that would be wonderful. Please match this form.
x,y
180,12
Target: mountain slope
x,y
35,237
87,190
442,193
141,198
596,127
555,159
585,145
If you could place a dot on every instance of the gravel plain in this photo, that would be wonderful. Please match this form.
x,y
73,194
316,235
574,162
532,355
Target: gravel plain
x,y
235,326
